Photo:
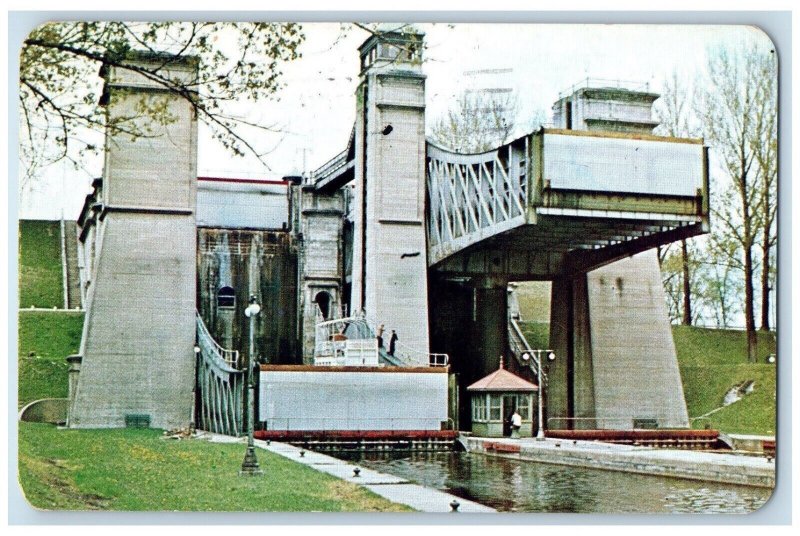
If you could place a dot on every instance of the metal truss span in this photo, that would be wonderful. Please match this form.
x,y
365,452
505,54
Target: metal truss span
x,y
555,199
474,196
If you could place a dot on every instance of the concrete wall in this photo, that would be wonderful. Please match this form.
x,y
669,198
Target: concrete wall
x,y
618,165
616,360
636,373
321,260
352,398
138,336
609,109
240,205
260,263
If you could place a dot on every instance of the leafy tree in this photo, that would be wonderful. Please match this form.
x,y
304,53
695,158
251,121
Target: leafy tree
x,y
60,86
736,111
764,140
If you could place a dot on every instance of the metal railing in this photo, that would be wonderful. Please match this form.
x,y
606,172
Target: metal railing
x,y
359,327
331,166
599,83
220,385
204,338
407,355
519,345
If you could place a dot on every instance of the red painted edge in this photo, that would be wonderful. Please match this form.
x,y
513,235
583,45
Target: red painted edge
x,y
243,181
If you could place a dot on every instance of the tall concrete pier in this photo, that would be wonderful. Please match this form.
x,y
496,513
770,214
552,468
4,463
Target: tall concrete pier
x,y
389,277
138,336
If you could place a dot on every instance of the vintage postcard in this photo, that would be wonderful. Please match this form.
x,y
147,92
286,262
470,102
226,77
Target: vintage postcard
x,y
397,267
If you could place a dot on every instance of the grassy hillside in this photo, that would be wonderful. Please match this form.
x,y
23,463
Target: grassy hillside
x,y
711,362
45,339
40,275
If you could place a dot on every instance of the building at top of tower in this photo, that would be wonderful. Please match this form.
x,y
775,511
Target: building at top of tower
x,y
602,106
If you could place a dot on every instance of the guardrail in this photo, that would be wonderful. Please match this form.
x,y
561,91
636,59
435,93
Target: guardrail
x,y
204,338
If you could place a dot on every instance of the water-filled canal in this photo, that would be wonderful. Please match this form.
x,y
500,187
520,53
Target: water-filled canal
x,y
519,486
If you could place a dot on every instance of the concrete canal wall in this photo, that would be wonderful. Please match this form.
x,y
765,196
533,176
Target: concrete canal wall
x,y
694,465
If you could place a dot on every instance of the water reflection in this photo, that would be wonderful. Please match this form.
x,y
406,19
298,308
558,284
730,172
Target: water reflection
x,y
514,486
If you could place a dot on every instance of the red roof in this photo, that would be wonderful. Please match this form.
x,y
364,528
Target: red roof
x,y
502,380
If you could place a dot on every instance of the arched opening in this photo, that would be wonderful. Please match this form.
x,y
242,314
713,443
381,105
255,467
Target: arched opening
x,y
323,301
226,298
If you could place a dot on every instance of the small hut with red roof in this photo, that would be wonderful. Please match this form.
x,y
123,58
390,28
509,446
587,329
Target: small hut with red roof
x,y
495,398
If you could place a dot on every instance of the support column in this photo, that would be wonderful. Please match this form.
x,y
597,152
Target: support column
x,y
139,327
616,366
491,325
389,247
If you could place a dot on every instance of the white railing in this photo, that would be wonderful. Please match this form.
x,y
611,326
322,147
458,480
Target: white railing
x,y
407,356
348,352
360,340
204,338
601,83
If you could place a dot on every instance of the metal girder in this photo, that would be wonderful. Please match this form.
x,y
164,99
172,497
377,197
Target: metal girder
x,y
578,262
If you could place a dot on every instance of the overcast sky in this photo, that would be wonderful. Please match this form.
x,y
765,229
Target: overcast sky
x,y
316,109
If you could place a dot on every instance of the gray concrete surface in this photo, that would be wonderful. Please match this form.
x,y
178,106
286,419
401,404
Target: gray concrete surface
x,y
694,465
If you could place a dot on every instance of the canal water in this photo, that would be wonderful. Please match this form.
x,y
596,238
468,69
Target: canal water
x,y
520,486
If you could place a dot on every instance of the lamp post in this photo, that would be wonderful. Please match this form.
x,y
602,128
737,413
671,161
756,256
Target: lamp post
x,y
250,465
551,356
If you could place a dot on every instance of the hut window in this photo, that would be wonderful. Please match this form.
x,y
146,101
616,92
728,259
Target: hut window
x,y
523,407
479,408
226,298
495,407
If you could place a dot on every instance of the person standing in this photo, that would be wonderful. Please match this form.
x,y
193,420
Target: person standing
x,y
379,336
392,342
516,424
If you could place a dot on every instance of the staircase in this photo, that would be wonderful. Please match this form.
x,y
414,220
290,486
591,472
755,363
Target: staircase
x,y
518,345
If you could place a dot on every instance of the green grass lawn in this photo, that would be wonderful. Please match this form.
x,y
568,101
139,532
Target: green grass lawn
x,y
534,300
45,339
129,469
40,274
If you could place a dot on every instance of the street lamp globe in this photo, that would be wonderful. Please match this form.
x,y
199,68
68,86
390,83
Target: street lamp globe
x,y
253,309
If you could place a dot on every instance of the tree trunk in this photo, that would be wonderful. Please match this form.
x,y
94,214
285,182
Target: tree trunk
x,y
687,294
765,287
749,298
765,261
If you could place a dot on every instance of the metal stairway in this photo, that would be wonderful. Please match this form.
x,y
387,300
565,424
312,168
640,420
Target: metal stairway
x,y
518,345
